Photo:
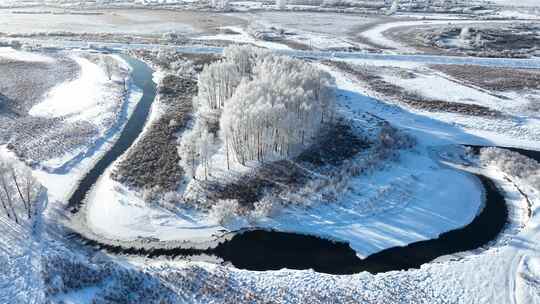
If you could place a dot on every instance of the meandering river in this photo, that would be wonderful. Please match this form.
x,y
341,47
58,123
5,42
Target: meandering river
x,y
265,250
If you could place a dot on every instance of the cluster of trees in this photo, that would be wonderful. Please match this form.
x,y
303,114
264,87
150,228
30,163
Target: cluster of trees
x,y
219,4
19,191
257,106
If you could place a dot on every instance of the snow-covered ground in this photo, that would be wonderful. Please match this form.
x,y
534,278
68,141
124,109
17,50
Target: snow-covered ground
x,y
93,98
244,37
376,34
61,184
528,3
428,199
7,53
315,30
22,247
418,207
360,216
126,21
357,217
440,128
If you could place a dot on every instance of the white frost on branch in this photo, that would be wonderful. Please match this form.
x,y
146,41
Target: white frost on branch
x,y
19,191
257,107
394,8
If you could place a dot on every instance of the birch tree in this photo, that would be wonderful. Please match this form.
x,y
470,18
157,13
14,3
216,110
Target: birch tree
x,y
7,191
27,186
394,8
266,107
108,65
19,191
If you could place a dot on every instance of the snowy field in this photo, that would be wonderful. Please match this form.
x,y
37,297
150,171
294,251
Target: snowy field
x,y
528,3
315,30
90,98
243,37
139,21
360,216
443,128
377,34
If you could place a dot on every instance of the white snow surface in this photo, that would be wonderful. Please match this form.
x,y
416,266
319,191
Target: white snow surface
x,y
527,3
435,129
427,200
81,97
377,36
244,37
508,272
65,99
8,53
423,204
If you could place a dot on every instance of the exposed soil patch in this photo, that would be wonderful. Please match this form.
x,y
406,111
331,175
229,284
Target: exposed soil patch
x,y
496,79
337,144
379,85
153,161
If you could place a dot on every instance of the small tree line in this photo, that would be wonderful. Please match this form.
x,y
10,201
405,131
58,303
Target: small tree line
x,y
19,191
257,106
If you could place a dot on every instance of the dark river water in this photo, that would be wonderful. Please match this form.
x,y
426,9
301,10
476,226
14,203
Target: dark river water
x,y
270,250
142,77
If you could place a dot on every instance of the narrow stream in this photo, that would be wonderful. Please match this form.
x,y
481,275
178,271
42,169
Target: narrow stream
x,y
266,250
142,77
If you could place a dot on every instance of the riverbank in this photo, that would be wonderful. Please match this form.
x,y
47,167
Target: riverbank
x,y
368,229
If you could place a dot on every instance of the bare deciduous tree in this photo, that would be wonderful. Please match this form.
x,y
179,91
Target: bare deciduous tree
x,y
19,191
6,191
108,66
27,188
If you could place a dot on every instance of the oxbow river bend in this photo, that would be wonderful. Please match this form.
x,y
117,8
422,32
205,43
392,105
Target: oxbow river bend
x,y
266,250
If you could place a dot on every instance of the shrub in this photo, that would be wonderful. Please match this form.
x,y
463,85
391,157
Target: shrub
x,y
225,211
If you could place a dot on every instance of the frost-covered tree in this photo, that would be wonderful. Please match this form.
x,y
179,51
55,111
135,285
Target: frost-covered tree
x,y
394,8
216,83
108,65
220,4
279,112
28,188
244,58
196,148
19,191
264,106
7,191
205,151
187,150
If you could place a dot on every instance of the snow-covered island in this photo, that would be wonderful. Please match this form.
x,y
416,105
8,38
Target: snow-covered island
x,y
255,152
